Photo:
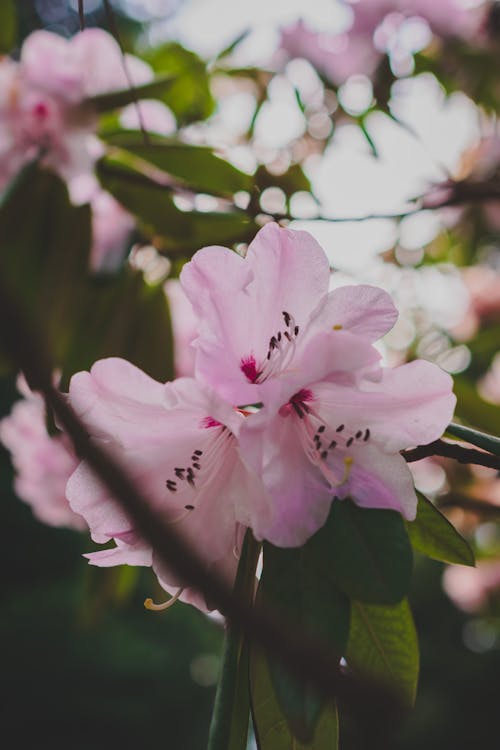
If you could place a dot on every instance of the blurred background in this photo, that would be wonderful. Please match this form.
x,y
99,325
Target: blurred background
x,y
339,111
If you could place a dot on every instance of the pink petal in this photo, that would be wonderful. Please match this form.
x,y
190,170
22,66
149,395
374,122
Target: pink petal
x,y
364,310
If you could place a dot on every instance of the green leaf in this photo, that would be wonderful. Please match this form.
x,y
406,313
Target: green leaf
x,y
229,727
45,244
472,408
481,439
365,552
432,535
8,25
122,316
195,166
154,90
383,645
151,202
291,589
189,97
291,181
271,728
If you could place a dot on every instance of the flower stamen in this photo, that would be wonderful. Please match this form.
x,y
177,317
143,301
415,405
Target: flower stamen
x,y
150,604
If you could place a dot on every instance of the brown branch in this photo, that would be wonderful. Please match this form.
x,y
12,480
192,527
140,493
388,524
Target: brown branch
x,y
373,703
455,451
470,504
113,27
81,15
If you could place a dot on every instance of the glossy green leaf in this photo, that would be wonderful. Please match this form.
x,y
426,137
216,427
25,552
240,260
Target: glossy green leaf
x,y
8,26
383,645
153,205
291,589
45,245
229,727
291,181
365,552
271,728
195,166
114,99
433,535
189,98
481,439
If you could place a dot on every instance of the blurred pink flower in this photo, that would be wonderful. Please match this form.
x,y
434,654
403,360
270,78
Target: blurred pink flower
x,y
43,462
179,442
42,97
185,328
333,421
470,588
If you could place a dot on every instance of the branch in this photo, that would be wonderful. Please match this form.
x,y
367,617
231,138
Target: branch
x,y
81,15
372,702
470,504
452,450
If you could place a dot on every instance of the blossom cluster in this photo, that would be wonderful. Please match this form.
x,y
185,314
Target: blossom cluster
x,y
290,409
46,113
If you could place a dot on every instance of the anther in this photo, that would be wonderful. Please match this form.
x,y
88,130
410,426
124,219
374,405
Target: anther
x,y
324,455
287,336
196,466
340,428
287,318
296,330
190,477
189,507
358,434
350,442
198,453
367,434
332,445
179,473
279,336
321,428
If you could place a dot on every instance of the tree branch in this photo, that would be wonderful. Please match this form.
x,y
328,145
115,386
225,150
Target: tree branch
x,y
452,450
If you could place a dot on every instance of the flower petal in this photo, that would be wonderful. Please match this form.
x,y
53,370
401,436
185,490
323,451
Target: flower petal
x,y
361,309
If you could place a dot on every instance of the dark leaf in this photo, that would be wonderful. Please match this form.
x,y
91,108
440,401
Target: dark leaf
x,y
365,552
291,589
432,535
195,166
271,728
154,90
383,645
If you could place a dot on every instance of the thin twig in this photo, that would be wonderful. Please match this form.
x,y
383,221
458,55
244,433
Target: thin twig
x,y
455,451
113,27
470,504
302,655
81,15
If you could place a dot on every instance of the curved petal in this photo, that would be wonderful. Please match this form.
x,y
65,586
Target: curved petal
x,y
409,405
361,309
379,480
298,495
122,554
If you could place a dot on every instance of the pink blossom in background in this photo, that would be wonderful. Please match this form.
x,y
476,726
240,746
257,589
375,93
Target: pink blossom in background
x,y
333,420
184,326
180,443
43,463
41,99
471,588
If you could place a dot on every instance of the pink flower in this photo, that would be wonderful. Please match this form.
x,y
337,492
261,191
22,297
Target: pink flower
x,y
471,588
41,112
180,443
185,328
333,421
43,463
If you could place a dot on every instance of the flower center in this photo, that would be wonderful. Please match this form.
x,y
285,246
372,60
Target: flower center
x,y
325,445
280,352
193,479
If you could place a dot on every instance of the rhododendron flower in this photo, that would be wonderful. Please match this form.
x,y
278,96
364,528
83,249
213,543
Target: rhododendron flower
x,y
333,420
42,97
43,462
180,443
184,326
